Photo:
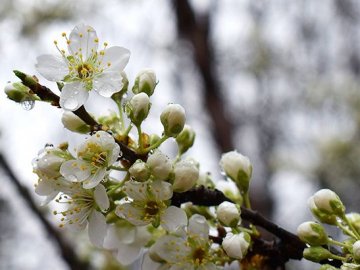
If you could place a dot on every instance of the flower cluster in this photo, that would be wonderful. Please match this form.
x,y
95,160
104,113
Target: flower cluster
x,y
119,183
327,208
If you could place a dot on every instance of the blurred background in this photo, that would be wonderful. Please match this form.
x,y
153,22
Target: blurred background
x,y
276,80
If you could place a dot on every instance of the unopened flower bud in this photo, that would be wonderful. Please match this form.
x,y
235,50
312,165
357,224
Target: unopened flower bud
x,y
236,245
312,233
238,168
328,202
354,219
228,214
173,119
186,173
185,139
319,215
154,138
138,108
140,171
19,92
145,82
73,123
160,165
356,250
316,254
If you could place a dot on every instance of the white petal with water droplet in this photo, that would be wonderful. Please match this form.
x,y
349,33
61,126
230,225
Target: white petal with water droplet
x,y
73,96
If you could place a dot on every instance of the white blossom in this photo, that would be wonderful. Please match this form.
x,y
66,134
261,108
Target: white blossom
x,y
160,165
173,119
95,155
84,68
186,173
228,214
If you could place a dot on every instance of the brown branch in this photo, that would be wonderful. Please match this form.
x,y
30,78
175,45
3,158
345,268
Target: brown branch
x,y
196,31
67,252
288,246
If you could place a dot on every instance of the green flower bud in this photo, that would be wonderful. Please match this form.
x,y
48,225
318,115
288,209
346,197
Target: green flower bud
x,y
73,123
140,171
173,119
319,215
154,138
316,254
238,168
228,214
145,82
185,139
312,233
138,108
328,202
19,92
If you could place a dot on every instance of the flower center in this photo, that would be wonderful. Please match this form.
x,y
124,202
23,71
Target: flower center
x,y
99,160
151,208
85,71
199,256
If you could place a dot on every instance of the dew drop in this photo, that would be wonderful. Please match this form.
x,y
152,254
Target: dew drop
x,y
28,104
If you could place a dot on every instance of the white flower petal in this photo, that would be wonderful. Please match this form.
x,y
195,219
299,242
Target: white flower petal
x,y
198,226
101,197
132,214
136,190
128,254
97,228
107,83
117,56
173,219
49,198
111,240
83,40
52,67
171,248
162,190
73,96
44,187
94,179
149,264
75,170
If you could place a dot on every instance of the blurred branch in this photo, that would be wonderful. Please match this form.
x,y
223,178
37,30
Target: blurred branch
x,y
67,252
196,31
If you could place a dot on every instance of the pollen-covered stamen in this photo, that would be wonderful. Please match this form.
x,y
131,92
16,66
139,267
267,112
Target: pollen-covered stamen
x,y
99,160
85,71
79,204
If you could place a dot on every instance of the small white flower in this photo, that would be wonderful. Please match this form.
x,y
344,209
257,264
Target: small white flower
x,y
95,155
127,240
173,119
186,174
228,214
140,171
149,204
47,166
191,251
160,165
84,68
81,211
236,245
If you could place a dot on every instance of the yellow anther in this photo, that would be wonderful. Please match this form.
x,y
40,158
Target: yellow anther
x,y
55,42
68,42
63,34
96,40
105,44
108,64
80,35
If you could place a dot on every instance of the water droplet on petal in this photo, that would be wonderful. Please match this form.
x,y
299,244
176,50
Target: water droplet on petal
x,y
70,104
28,104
